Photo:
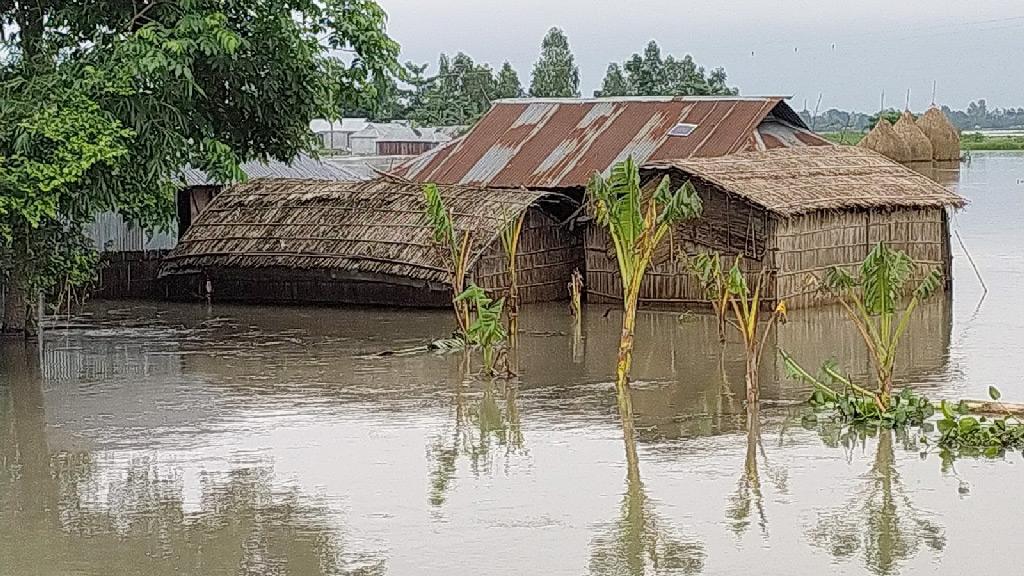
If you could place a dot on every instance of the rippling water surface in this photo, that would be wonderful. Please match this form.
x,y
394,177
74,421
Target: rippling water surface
x,y
150,438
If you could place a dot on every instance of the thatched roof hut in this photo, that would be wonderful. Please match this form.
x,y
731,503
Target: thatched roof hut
x,y
944,137
791,212
884,140
920,146
365,243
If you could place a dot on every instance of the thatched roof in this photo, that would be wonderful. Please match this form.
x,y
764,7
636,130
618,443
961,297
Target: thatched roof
x,y
884,140
941,133
376,227
798,180
920,146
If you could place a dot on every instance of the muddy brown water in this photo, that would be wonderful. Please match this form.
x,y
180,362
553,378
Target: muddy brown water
x,y
153,439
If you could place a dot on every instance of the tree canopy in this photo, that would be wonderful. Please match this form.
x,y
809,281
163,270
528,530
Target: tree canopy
x,y
102,104
555,74
651,75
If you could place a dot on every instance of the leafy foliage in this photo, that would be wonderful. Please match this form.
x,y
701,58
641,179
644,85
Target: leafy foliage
x,y
102,104
876,301
486,330
637,222
455,249
650,75
555,74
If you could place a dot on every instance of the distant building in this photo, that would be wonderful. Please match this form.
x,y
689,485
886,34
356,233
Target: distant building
x,y
334,136
395,139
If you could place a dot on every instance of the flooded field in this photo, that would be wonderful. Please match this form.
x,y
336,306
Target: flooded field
x,y
150,438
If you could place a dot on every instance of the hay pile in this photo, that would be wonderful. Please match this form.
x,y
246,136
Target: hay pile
x,y
884,140
941,133
920,145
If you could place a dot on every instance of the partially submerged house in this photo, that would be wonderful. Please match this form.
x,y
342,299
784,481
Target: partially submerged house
x,y
790,212
314,241
557,144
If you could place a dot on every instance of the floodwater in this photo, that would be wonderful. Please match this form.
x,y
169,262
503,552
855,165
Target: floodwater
x,y
152,439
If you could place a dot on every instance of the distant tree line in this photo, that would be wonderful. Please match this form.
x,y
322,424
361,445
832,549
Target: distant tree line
x,y
460,90
977,116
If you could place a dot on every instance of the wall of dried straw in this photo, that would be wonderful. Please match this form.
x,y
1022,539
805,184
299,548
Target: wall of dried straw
x,y
548,253
808,244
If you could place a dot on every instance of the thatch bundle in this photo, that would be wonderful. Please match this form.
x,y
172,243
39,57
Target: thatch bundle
x,y
884,140
941,133
920,146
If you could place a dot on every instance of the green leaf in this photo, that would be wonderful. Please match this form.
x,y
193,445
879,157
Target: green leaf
x,y
968,424
947,410
993,393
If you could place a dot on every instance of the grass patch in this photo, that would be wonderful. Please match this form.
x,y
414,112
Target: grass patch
x,y
977,141
968,141
848,138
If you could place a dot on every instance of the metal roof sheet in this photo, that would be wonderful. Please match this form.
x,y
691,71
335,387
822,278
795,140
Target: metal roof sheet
x,y
559,143
303,166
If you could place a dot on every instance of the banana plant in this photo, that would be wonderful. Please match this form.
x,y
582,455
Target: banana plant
x,y
637,221
732,294
455,248
708,269
876,301
510,233
486,330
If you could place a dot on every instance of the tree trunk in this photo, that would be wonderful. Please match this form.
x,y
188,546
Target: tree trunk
x,y
753,384
16,309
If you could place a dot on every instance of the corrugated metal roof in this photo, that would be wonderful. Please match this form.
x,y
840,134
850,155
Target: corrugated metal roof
x,y
559,143
303,167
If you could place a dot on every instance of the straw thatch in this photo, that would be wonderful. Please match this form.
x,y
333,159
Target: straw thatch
x,y
944,137
884,140
377,227
799,180
920,146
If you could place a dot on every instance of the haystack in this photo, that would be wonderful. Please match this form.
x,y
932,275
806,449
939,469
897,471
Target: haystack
x,y
941,133
884,140
920,146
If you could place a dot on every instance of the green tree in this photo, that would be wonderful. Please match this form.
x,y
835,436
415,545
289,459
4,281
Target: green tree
x,y
614,84
507,84
651,75
458,94
102,104
555,75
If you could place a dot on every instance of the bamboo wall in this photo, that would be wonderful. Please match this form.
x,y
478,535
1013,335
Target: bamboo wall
x,y
548,254
806,245
729,225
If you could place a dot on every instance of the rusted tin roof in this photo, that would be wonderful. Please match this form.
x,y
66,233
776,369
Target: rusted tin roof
x,y
559,143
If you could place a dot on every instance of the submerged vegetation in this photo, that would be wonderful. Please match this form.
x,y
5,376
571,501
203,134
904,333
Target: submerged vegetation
x,y
455,248
637,222
730,291
875,301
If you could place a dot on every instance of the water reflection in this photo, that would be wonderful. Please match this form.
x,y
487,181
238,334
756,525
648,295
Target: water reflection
x,y
80,512
478,424
640,542
879,522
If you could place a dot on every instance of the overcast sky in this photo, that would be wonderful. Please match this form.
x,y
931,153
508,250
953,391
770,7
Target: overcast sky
x,y
848,51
